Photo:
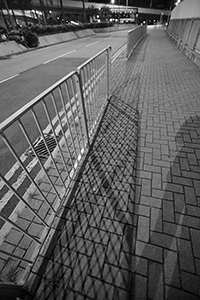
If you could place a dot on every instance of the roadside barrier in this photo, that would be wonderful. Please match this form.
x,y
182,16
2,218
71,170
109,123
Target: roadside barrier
x,y
186,35
134,37
54,131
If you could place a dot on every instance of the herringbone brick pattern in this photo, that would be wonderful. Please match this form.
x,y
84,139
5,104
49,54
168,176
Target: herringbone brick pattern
x,y
133,230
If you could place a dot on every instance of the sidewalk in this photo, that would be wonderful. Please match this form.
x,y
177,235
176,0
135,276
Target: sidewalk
x,y
133,231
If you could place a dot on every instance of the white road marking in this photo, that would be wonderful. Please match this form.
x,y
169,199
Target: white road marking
x,y
46,62
92,44
9,78
110,37
65,54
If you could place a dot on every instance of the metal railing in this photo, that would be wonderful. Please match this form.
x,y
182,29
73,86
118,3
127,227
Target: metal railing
x,y
44,144
186,32
134,37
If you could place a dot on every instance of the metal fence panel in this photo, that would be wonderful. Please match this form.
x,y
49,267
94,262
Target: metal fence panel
x,y
43,145
94,78
134,37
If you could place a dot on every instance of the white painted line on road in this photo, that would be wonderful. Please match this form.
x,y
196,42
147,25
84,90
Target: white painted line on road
x,y
9,78
92,44
46,62
65,54
110,37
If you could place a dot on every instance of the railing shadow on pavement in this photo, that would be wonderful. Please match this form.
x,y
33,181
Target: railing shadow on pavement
x,y
93,256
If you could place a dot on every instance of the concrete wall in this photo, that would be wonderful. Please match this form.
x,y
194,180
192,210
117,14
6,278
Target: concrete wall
x,y
186,10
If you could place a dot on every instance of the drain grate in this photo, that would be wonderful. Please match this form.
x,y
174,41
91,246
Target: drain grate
x,y
40,146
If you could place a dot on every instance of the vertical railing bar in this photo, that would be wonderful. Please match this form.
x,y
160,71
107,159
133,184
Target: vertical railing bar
x,y
108,72
68,124
77,106
16,257
95,77
92,87
68,121
42,134
19,228
60,122
21,199
76,99
89,92
41,165
84,115
76,82
85,84
52,127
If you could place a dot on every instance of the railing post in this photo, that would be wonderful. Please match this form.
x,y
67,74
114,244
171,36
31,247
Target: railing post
x,y
82,105
108,72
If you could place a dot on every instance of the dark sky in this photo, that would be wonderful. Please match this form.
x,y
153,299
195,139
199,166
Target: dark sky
x,y
159,4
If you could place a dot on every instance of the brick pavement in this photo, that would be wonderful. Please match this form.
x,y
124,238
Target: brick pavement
x,y
133,230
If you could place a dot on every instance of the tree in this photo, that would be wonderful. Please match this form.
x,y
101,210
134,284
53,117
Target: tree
x,y
105,12
84,13
92,11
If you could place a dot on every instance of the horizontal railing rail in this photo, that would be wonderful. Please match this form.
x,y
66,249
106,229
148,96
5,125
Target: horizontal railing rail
x,y
45,143
134,37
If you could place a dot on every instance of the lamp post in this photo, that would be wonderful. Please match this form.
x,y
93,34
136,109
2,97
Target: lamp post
x,y
151,2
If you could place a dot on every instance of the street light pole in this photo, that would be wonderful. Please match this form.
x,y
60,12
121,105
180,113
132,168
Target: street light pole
x,y
151,3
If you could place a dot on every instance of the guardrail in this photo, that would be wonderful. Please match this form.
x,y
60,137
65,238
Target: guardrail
x,y
134,37
54,131
186,35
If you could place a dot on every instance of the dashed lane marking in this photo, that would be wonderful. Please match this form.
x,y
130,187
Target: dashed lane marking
x,y
92,44
6,79
57,57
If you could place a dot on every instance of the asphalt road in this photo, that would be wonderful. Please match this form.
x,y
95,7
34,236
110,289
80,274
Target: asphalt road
x,y
25,76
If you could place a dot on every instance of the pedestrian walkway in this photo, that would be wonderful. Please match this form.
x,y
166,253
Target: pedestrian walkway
x,y
133,230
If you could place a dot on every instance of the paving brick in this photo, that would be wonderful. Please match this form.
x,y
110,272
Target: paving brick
x,y
117,277
146,187
143,229
197,187
162,194
113,249
195,236
179,203
150,201
81,245
156,220
171,270
185,256
176,230
189,221
149,251
156,181
97,235
190,196
168,211
176,188
190,283
96,289
163,240
142,210
155,284
193,210
97,261
175,169
197,264
139,289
